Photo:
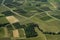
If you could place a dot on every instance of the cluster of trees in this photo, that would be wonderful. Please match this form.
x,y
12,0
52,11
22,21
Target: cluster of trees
x,y
52,33
8,1
21,11
16,4
42,0
30,31
8,13
1,1
18,25
9,27
24,12
2,25
12,4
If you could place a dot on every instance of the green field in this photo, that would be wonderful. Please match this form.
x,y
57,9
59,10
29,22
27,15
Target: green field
x,y
2,33
35,19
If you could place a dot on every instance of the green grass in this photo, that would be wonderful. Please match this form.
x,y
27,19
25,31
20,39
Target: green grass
x,y
1,15
21,33
55,0
10,33
47,26
2,9
21,19
46,23
3,20
2,33
55,14
53,37
43,17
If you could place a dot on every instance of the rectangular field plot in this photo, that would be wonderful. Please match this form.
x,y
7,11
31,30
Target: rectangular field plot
x,y
53,37
46,8
12,19
1,15
15,33
9,27
27,22
8,13
58,4
13,5
10,5
22,33
24,12
55,14
2,32
5,38
43,17
10,33
21,19
16,3
3,8
17,25
54,24
58,8
8,1
3,20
